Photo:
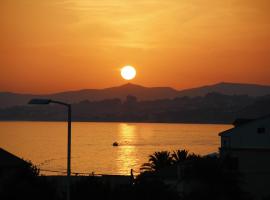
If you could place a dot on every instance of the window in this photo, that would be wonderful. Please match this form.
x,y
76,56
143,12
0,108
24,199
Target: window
x,y
261,130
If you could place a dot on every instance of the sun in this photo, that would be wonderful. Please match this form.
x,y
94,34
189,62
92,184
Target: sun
x,y
128,72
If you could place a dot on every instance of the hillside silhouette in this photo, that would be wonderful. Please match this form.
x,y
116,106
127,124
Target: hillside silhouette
x,y
8,99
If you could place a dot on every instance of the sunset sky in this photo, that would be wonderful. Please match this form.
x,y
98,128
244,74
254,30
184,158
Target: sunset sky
x,y
56,45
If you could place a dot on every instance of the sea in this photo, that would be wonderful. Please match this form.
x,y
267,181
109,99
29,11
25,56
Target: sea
x,y
92,150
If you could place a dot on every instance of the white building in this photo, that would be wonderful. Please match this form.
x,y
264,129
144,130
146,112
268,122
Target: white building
x,y
249,144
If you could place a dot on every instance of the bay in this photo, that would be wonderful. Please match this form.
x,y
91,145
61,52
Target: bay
x,y
45,143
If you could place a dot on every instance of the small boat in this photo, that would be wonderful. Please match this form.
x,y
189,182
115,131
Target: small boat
x,y
115,144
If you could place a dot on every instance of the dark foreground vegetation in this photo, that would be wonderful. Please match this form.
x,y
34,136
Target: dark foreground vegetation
x,y
198,177
173,176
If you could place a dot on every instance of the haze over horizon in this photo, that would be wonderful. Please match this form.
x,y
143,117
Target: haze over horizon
x,y
59,45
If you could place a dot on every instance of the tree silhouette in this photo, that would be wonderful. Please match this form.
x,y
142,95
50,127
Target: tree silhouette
x,y
180,156
157,161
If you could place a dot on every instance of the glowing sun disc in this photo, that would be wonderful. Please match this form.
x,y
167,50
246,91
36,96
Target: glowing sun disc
x,y
128,72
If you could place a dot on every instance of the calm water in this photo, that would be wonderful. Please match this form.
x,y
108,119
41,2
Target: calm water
x,y
44,143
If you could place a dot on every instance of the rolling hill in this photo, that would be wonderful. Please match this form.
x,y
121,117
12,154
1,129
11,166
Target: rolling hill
x,y
8,99
252,90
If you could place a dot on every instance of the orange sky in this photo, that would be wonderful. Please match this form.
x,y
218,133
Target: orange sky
x,y
55,45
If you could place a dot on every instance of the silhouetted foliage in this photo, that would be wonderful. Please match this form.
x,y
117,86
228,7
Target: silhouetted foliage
x,y
158,161
149,189
163,159
90,188
208,177
144,189
180,156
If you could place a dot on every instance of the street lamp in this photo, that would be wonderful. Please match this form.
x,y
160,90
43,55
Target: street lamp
x,y
48,101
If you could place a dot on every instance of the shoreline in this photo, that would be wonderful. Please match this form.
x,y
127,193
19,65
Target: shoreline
x,y
142,122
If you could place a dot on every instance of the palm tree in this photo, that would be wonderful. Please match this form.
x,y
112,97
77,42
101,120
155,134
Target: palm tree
x,y
157,161
193,156
180,156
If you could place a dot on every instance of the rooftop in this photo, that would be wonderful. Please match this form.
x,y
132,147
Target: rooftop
x,y
7,159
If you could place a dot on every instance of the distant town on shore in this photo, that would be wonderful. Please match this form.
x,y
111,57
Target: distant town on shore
x,y
219,103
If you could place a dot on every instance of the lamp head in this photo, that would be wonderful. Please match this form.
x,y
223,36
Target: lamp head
x,y
40,101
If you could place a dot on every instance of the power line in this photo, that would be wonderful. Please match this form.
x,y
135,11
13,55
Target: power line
x,y
75,173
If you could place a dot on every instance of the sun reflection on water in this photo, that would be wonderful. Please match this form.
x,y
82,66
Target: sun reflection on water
x,y
127,158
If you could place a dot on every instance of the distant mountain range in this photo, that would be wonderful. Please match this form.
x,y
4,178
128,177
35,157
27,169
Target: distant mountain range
x,y
8,99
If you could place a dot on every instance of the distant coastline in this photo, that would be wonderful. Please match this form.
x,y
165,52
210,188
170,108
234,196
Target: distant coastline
x,y
214,108
146,122
217,104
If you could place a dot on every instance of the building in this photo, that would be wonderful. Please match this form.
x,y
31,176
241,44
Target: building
x,y
248,143
9,165
8,161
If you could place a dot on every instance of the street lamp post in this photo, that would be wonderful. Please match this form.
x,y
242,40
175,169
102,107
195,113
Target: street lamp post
x,y
48,101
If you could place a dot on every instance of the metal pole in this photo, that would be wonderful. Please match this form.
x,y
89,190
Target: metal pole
x,y
48,101
69,152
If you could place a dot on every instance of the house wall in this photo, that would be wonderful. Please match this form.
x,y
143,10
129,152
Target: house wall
x,y
254,165
248,136
250,145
